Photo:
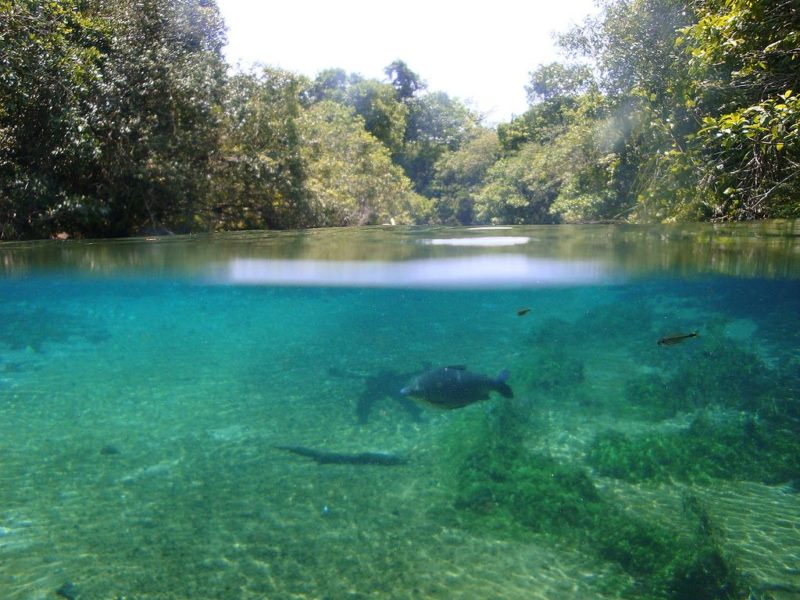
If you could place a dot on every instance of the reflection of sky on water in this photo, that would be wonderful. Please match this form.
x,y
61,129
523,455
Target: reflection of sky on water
x,y
489,228
486,242
513,270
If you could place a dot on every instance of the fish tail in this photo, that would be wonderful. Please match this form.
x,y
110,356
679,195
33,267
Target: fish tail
x,y
501,386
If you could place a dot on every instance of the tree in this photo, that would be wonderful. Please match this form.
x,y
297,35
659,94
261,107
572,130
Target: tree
x,y
744,57
383,113
49,69
330,84
437,124
259,179
109,114
554,94
350,178
632,45
405,81
556,81
460,174
156,118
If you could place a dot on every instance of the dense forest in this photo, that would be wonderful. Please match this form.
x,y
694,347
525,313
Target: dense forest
x,y
120,117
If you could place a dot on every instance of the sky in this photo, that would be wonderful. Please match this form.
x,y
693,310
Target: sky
x,y
479,52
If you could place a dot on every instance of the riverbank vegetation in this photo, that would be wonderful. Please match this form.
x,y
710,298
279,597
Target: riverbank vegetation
x,y
121,118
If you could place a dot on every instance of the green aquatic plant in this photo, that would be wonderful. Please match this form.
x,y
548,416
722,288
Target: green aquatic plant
x,y
723,373
553,372
533,490
714,371
740,448
554,369
501,485
650,397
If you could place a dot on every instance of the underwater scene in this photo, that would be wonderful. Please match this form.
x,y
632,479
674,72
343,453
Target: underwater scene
x,y
524,413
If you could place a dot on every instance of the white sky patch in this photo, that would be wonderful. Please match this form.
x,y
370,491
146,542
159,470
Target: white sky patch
x,y
480,52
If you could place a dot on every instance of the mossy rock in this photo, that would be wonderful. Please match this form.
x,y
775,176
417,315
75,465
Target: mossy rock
x,y
501,485
537,492
744,448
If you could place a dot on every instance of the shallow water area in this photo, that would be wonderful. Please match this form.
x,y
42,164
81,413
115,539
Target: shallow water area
x,y
148,388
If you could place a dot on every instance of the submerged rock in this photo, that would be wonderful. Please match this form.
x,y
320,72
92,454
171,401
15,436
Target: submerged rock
x,y
67,590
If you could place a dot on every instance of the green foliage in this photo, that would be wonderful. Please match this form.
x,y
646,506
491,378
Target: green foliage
x,y
502,485
753,157
573,178
350,178
50,67
743,56
520,188
707,88
562,161
119,118
407,83
109,115
258,177
383,113
437,124
746,448
632,43
459,176
558,81
157,122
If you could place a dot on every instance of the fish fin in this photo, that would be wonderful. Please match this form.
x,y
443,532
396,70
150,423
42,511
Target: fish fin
x,y
503,376
457,367
504,389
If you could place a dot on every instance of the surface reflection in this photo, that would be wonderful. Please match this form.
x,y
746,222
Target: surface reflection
x,y
508,270
483,242
769,249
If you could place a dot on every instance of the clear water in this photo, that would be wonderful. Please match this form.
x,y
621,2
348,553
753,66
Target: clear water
x,y
145,386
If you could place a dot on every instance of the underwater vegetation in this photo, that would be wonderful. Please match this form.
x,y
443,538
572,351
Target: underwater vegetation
x,y
502,485
553,369
746,423
718,372
741,448
712,370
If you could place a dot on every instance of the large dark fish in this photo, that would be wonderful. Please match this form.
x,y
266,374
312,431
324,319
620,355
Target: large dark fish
x,y
675,338
337,458
454,387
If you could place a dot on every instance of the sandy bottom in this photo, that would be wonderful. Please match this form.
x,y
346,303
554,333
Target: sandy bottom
x,y
221,513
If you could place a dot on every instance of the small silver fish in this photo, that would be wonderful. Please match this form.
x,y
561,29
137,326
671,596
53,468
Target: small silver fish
x,y
676,338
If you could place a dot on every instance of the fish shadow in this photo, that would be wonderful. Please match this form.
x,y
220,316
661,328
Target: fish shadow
x,y
380,387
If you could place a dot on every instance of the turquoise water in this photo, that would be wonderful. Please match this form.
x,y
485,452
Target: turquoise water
x,y
146,385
